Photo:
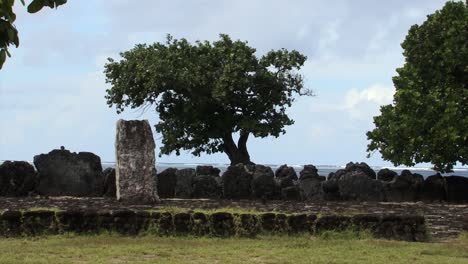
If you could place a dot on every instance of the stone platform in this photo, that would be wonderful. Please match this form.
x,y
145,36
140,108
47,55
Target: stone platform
x,y
442,221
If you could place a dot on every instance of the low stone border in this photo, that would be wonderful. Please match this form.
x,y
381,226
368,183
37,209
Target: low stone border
x,y
198,223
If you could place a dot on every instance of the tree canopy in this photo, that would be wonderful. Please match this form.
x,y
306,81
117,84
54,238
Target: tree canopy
x,y
8,31
207,92
428,120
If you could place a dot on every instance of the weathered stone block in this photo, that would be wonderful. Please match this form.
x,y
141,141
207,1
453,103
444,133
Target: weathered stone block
x,y
182,223
17,178
299,223
70,221
166,182
10,223
457,189
249,225
205,186
184,179
281,223
124,222
135,168
222,224
109,182
236,182
38,222
63,173
332,223
263,183
200,224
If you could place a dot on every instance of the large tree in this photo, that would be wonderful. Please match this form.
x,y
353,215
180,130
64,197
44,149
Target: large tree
x,y
207,93
428,120
8,31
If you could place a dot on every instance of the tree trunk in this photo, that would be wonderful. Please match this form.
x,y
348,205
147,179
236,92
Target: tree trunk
x,y
237,153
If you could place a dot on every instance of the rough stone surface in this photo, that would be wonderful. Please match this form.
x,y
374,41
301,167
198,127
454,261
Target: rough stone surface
x,y
109,182
166,182
309,171
237,182
361,167
135,168
264,184
386,175
63,173
457,189
443,220
311,187
330,190
284,171
359,186
207,170
434,188
336,175
291,193
205,186
184,180
404,187
17,178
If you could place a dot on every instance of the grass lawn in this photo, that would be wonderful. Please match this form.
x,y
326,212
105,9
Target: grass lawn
x,y
264,249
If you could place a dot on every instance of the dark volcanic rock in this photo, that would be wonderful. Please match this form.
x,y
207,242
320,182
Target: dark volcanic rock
x,y
222,224
236,182
405,187
166,182
330,190
434,188
361,167
62,173
184,180
285,182
291,193
264,184
17,178
457,189
109,182
207,170
336,175
284,171
386,175
359,186
311,187
309,171
205,186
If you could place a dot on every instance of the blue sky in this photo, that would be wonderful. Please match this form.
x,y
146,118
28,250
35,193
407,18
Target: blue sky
x,y
52,89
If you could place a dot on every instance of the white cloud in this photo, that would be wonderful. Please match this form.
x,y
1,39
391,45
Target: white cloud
x,y
361,104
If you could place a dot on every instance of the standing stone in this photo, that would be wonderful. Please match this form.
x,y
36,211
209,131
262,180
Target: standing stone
x,y
135,169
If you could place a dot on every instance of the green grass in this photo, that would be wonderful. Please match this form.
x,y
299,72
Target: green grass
x,y
331,248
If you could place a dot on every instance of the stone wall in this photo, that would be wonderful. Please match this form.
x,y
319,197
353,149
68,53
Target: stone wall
x,y
204,223
356,182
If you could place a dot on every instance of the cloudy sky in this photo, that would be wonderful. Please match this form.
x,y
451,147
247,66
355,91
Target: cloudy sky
x,y
52,89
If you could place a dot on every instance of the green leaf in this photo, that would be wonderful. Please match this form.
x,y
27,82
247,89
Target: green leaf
x,y
36,5
2,57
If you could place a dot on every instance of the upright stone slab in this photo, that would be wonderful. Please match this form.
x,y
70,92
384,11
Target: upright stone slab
x,y
135,169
